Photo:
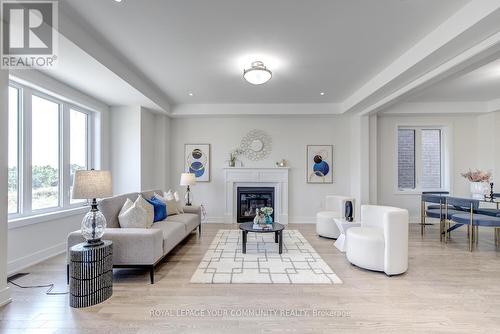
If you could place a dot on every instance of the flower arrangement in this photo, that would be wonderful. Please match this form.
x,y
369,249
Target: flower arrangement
x,y
263,216
233,155
477,176
267,211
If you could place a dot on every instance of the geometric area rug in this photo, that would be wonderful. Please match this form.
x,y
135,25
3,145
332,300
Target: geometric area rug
x,y
262,264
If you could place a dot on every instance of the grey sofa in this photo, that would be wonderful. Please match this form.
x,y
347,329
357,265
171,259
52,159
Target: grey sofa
x,y
141,247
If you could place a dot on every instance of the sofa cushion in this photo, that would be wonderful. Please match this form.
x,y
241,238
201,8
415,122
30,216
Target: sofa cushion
x,y
131,246
110,207
190,220
173,233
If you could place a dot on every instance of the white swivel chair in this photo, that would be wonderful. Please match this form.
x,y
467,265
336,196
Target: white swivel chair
x,y
334,208
381,243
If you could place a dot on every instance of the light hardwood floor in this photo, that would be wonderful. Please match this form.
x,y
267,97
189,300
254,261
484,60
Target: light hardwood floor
x,y
446,289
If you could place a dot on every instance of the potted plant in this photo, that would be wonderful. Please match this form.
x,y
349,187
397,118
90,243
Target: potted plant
x,y
478,182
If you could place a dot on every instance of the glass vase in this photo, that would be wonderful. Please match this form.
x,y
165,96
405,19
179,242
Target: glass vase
x,y
269,220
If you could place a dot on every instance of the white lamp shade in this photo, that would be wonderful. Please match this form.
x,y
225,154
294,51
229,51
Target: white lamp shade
x,y
188,179
89,184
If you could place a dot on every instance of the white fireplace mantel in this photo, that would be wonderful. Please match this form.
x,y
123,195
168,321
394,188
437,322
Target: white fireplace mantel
x,y
276,177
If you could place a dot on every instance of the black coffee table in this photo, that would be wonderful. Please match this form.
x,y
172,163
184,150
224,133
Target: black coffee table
x,y
275,228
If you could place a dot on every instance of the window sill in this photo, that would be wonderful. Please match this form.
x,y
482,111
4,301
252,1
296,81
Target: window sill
x,y
45,217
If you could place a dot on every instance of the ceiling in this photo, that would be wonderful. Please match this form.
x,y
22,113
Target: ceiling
x,y
201,47
82,72
479,85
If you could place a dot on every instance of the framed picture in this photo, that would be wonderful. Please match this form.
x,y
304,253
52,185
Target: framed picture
x,y
319,163
197,161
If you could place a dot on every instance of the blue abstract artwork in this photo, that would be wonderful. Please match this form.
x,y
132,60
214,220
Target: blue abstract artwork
x,y
319,163
197,161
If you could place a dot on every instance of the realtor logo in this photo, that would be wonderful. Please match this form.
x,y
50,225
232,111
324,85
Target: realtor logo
x,y
29,34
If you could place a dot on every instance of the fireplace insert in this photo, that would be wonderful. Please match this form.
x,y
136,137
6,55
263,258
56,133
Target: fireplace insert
x,y
249,199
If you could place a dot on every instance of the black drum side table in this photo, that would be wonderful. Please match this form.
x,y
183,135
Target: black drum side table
x,y
91,274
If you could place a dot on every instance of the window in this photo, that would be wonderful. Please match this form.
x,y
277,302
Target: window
x,y
48,141
45,174
420,159
78,145
13,183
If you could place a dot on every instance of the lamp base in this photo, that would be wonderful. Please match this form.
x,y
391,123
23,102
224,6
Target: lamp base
x,y
93,243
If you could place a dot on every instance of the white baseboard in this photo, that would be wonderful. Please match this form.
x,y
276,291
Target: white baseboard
x,y
24,262
216,220
302,220
415,220
5,296
292,220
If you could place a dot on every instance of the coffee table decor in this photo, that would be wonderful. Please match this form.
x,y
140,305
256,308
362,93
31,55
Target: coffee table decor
x,y
275,228
299,263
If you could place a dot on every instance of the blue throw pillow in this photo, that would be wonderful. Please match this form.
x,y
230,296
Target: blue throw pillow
x,y
159,207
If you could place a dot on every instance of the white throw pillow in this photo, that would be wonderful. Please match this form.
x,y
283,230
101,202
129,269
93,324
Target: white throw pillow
x,y
148,207
133,216
175,196
170,203
169,195
180,206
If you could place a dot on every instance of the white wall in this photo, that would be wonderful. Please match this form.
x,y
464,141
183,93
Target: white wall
x,y
488,144
155,147
4,127
290,136
462,129
34,243
125,148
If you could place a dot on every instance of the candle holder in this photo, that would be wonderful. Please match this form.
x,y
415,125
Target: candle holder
x,y
491,197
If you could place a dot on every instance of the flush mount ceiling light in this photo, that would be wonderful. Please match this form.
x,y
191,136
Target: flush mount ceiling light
x,y
257,74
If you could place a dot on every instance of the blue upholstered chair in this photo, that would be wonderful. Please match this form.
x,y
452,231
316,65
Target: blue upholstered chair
x,y
439,210
472,219
442,193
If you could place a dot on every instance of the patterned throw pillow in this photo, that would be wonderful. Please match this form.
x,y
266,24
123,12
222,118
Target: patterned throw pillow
x,y
150,211
133,216
171,204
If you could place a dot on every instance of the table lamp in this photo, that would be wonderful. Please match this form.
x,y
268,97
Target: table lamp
x,y
188,179
92,184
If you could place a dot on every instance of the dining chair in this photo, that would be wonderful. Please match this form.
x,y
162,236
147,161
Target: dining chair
x,y
442,193
435,211
471,219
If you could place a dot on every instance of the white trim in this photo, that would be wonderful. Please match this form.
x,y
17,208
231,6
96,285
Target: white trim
x,y
24,262
50,86
217,220
291,220
5,296
45,217
302,220
256,177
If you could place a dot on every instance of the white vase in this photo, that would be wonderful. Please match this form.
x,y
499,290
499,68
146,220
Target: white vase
x,y
478,189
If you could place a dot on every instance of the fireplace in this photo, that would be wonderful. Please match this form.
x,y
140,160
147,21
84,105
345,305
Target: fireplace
x,y
249,199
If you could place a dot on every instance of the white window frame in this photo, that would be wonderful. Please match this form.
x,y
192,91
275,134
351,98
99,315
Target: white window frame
x,y
445,160
24,154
